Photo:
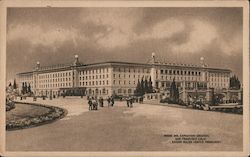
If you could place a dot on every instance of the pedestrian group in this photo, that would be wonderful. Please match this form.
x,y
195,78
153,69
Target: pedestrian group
x,y
94,102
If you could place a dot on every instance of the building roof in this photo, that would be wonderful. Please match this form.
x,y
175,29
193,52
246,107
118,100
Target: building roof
x,y
63,67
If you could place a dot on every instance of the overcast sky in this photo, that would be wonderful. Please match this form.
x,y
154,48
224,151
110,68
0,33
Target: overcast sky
x,y
180,35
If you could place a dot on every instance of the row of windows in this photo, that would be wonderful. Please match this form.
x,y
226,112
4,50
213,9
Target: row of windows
x,y
124,82
219,79
93,77
55,80
218,75
179,78
129,76
96,71
103,91
93,83
61,74
180,72
137,70
119,91
57,85
218,84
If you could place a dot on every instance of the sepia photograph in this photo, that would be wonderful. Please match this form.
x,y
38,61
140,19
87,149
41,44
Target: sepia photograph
x,y
137,78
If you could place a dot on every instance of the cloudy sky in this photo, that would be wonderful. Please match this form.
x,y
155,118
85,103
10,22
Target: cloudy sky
x,y
181,35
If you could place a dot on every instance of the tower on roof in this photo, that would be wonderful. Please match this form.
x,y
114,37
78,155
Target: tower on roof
x,y
202,62
37,65
153,58
76,62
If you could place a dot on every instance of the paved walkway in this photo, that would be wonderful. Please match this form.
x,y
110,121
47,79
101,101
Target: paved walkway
x,y
141,128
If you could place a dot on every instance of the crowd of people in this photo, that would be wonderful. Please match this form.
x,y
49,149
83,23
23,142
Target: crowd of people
x,y
94,102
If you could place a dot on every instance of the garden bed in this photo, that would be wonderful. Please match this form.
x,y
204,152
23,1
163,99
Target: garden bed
x,y
31,115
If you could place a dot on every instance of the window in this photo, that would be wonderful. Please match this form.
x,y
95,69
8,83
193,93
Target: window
x,y
119,90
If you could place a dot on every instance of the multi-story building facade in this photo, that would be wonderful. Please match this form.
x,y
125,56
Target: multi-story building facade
x,y
120,78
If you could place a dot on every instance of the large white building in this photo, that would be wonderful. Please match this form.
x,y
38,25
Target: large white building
x,y
120,78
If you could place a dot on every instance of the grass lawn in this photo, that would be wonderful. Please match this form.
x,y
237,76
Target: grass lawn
x,y
25,111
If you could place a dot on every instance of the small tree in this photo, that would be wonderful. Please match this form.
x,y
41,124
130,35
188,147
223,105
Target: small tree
x,y
25,87
29,89
150,85
142,86
174,92
22,90
146,90
138,88
14,84
234,82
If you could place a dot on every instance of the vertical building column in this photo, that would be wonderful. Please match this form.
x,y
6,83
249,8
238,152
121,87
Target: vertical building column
x,y
209,95
153,76
110,85
153,71
75,77
184,95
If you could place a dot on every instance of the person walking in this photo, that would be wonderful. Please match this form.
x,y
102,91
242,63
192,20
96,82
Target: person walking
x,y
90,103
131,102
101,102
95,104
108,99
128,101
112,101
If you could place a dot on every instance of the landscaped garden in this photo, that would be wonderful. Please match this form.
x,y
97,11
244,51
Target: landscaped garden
x,y
29,115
